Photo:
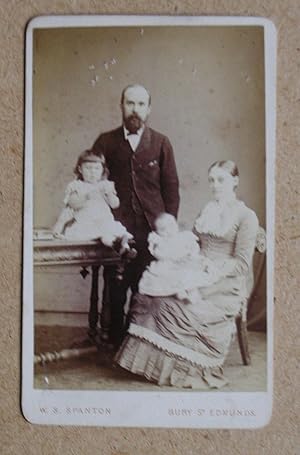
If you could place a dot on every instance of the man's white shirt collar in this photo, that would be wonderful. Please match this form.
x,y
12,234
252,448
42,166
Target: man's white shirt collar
x,y
133,139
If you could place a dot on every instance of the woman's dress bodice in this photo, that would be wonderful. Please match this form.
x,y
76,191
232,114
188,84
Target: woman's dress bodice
x,y
217,247
230,245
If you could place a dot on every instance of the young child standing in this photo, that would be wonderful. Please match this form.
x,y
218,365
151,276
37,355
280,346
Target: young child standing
x,y
88,201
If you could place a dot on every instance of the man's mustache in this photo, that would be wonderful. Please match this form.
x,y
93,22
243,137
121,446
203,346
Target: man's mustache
x,y
134,117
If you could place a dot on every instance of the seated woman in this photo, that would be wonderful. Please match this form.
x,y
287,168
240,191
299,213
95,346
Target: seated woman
x,y
172,341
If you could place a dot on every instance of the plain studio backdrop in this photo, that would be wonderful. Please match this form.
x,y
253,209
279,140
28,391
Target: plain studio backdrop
x,y
207,88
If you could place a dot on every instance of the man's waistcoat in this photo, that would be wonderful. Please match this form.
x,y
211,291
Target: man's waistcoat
x,y
146,177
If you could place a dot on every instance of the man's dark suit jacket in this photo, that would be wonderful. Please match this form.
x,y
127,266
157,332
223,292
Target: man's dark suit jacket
x,y
148,175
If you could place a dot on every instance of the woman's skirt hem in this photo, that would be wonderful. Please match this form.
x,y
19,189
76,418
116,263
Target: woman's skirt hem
x,y
141,357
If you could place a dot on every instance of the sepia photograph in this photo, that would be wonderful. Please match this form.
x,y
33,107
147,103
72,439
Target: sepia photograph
x,y
148,221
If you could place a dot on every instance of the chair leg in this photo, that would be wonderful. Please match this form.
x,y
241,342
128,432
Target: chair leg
x,y
243,339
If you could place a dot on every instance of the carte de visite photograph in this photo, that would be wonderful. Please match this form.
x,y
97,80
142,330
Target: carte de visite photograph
x,y
148,221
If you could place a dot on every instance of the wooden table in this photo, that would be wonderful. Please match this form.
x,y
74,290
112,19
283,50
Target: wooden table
x,y
92,254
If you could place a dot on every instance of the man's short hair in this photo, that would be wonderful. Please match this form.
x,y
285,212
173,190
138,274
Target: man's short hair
x,y
132,86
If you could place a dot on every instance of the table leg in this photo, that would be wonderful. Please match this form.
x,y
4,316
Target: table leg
x,y
105,317
93,312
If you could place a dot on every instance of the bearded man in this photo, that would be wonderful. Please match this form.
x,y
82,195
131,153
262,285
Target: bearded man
x,y
142,165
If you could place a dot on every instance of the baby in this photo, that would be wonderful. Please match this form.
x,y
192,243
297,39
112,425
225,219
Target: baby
x,y
178,268
88,202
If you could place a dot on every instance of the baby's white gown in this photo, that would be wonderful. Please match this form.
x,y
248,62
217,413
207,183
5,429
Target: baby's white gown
x,y
178,267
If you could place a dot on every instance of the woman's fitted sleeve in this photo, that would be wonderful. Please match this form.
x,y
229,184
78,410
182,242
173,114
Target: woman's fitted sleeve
x,y
241,262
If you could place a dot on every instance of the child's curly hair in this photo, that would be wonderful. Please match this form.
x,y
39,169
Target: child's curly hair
x,y
88,156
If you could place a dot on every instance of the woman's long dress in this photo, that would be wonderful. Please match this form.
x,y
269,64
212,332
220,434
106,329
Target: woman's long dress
x,y
173,342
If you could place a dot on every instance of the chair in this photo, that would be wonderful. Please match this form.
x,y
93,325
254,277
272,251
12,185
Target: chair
x,y
241,319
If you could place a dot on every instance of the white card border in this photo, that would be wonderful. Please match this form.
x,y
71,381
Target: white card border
x,y
125,407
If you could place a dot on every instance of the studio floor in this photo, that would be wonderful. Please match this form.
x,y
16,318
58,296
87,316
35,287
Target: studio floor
x,y
96,371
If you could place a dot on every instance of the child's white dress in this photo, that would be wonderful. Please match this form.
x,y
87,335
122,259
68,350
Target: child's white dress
x,y
179,267
95,219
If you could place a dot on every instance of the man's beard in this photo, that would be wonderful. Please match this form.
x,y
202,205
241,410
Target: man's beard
x,y
133,123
